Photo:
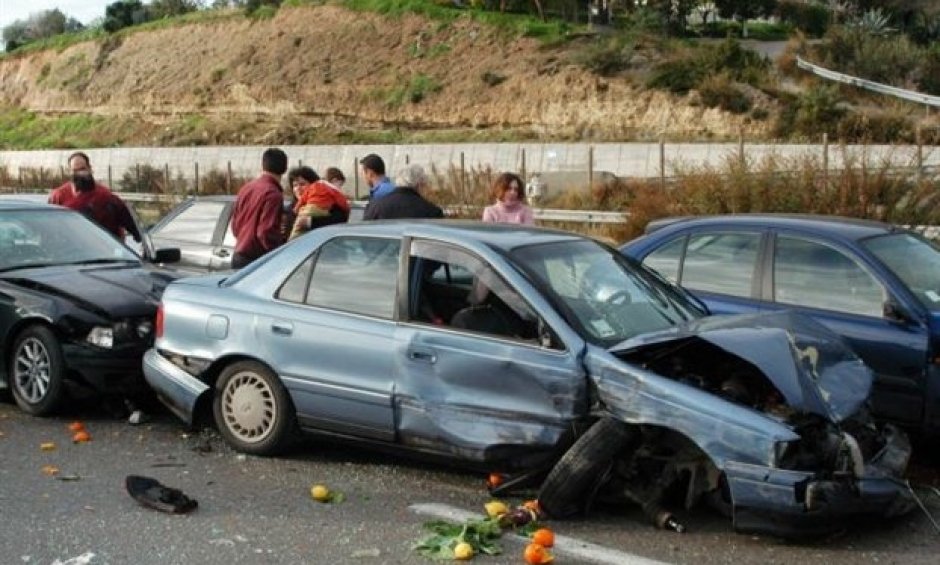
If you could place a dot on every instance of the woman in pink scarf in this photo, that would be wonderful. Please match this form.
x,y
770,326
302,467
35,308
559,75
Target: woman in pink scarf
x,y
510,207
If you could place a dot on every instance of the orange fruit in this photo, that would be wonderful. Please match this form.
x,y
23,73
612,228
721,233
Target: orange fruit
x,y
536,554
494,480
76,427
532,505
81,436
544,537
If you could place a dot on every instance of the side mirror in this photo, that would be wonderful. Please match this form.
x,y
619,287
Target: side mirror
x,y
896,313
167,255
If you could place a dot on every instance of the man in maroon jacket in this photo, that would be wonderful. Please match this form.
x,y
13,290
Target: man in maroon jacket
x,y
94,200
256,219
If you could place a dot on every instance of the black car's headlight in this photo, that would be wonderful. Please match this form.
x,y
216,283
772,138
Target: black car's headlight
x,y
126,331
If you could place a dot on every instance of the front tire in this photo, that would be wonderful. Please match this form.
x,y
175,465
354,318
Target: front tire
x,y
252,409
37,371
566,488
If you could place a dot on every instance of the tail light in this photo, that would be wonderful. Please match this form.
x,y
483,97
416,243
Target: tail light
x,y
158,322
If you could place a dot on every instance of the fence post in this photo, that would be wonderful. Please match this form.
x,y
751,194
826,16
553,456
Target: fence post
x,y
741,148
463,177
826,159
356,176
662,161
590,164
407,159
110,181
166,179
920,155
137,180
228,178
196,184
523,164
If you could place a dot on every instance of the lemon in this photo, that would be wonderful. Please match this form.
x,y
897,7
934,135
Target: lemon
x,y
320,493
495,508
463,551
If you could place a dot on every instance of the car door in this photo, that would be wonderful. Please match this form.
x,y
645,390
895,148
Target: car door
x,y
332,332
194,228
483,374
721,267
841,290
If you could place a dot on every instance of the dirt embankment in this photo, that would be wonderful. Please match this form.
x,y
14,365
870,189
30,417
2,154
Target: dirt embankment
x,y
315,72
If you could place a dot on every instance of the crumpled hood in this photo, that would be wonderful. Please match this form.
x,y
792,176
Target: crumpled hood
x,y
811,366
114,291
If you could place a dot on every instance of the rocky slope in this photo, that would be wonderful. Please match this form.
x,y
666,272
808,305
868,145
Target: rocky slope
x,y
327,74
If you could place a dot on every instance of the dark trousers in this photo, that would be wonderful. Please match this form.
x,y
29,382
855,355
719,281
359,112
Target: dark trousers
x,y
239,260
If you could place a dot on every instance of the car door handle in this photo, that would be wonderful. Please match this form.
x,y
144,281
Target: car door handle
x,y
423,356
222,253
282,328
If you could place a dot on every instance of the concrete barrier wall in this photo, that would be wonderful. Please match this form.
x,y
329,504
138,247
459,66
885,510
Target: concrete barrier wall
x,y
621,159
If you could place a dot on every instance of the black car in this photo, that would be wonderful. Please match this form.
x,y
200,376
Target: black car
x,y
76,305
201,228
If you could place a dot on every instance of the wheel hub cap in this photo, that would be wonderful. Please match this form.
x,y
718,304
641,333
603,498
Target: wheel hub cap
x,y
31,370
248,407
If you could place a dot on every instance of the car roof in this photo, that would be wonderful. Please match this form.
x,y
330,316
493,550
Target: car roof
x,y
832,226
500,236
25,202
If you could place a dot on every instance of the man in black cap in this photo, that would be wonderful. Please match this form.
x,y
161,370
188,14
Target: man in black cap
x,y
373,170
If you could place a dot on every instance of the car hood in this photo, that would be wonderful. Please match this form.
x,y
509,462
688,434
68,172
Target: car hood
x,y
809,365
113,291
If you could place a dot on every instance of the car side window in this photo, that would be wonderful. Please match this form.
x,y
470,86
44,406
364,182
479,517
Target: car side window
x,y
665,260
809,273
451,288
294,289
356,274
195,224
721,262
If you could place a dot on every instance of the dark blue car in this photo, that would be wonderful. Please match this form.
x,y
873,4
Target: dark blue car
x,y
875,284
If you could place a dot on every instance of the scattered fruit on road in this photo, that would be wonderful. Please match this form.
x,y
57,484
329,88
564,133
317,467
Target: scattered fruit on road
x,y
495,508
463,551
544,537
536,554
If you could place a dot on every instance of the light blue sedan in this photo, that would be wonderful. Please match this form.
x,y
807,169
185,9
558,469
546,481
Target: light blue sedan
x,y
533,352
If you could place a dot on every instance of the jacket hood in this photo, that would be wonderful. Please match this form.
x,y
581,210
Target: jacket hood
x,y
115,291
809,365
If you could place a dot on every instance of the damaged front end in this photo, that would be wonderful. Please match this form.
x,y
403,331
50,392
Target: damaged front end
x,y
763,416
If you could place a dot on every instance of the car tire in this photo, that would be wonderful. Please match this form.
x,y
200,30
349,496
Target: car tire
x,y
252,409
565,489
37,371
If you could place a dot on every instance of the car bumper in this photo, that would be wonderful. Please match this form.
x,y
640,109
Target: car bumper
x,y
796,504
175,388
115,370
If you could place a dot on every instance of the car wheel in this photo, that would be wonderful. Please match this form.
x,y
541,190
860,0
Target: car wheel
x,y
252,409
564,491
37,371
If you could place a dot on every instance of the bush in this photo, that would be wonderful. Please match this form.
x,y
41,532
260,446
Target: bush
x,y
608,57
678,75
811,19
883,127
810,114
720,91
687,69
929,73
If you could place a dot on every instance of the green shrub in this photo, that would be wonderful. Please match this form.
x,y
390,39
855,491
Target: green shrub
x,y
929,72
607,57
686,69
720,91
875,127
678,75
811,19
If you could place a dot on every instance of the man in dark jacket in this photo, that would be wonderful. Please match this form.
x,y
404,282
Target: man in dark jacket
x,y
406,200
256,219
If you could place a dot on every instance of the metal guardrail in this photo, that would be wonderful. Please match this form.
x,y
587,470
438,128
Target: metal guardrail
x,y
911,95
544,214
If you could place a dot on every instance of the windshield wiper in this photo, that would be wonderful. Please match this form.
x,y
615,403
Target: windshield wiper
x,y
99,261
68,263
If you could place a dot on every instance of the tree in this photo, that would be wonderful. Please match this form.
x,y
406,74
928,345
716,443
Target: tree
x,y
169,8
40,25
15,35
673,12
124,13
745,10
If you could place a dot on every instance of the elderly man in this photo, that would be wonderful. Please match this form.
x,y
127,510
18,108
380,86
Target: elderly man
x,y
406,200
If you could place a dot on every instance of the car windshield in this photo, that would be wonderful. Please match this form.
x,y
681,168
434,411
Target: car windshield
x,y
914,260
603,295
32,238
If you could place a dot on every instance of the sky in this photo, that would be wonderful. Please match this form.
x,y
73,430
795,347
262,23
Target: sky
x,y
82,10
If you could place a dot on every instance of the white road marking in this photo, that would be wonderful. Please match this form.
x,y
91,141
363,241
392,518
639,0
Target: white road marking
x,y
83,559
566,545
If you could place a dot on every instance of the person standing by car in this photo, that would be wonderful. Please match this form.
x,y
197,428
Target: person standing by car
x,y
510,206
95,200
373,170
405,201
320,204
256,218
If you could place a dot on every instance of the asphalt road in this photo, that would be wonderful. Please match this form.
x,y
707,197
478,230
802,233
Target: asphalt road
x,y
258,510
